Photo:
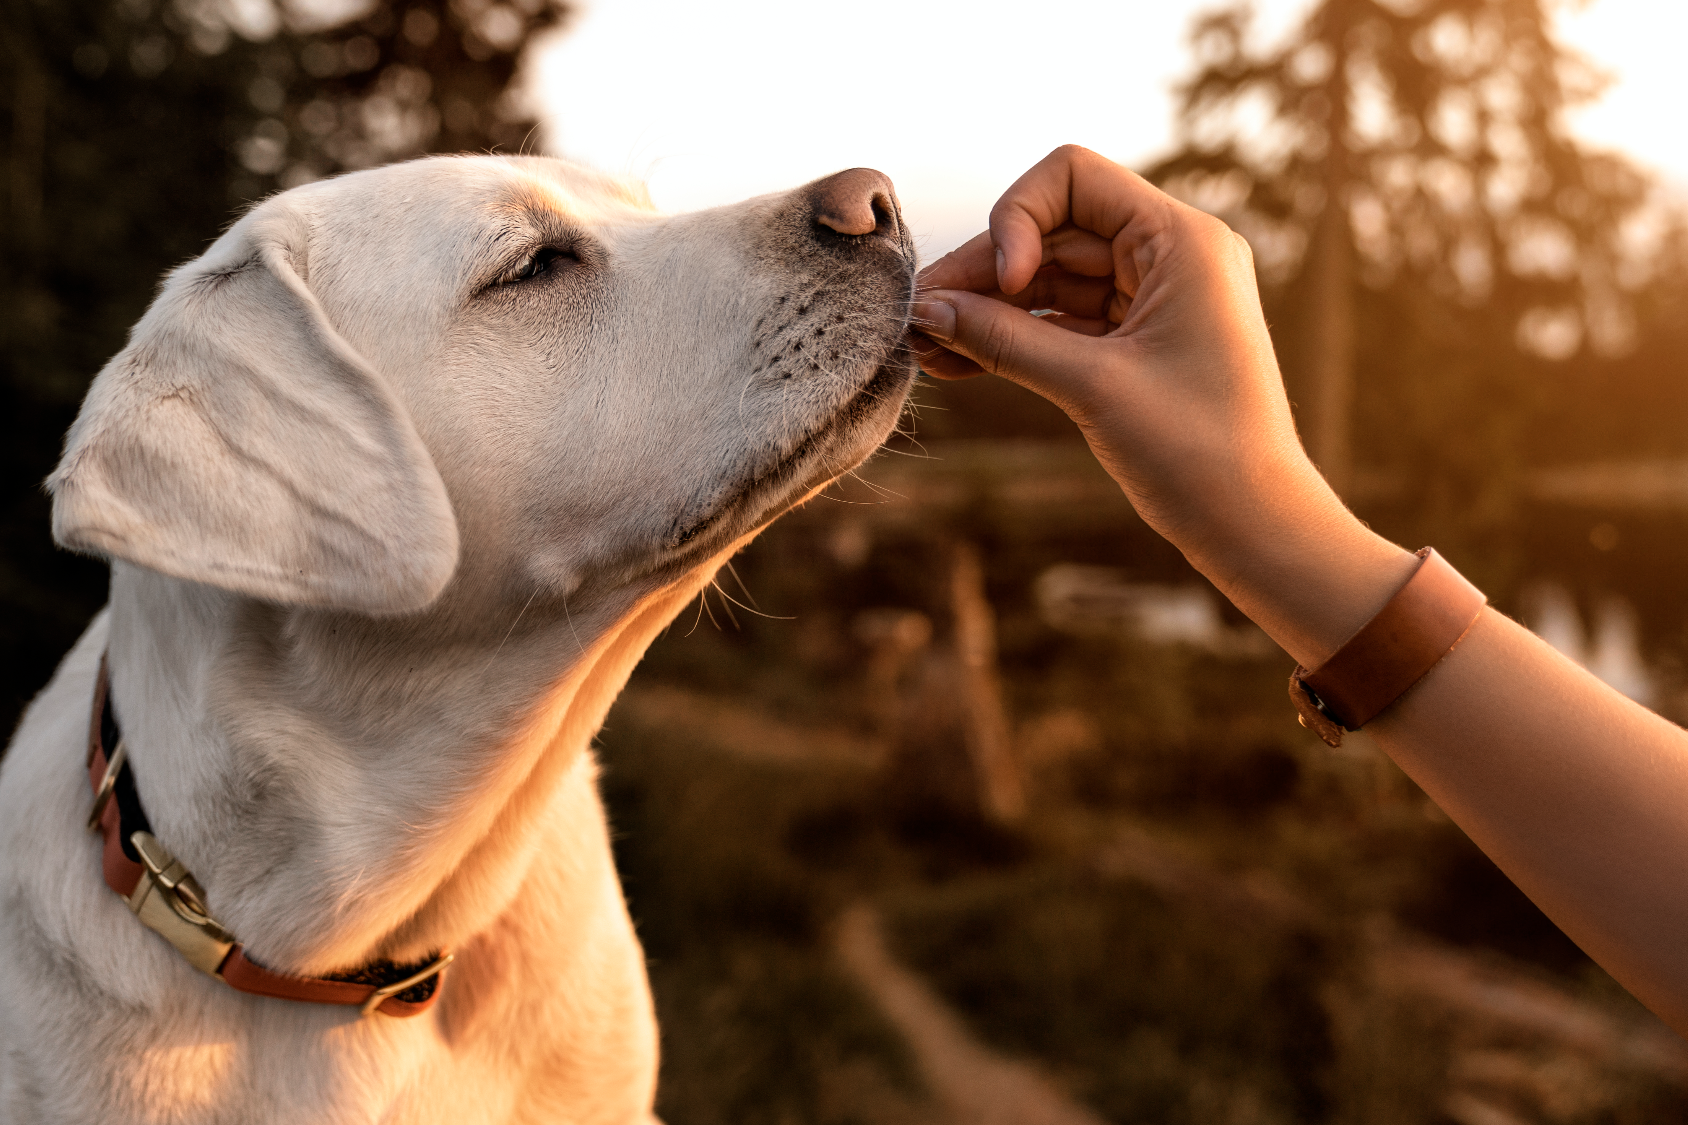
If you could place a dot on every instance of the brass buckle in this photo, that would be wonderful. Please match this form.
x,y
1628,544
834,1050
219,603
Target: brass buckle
x,y
170,901
380,994
108,784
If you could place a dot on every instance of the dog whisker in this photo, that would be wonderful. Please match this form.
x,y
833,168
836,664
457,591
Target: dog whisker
x,y
734,601
512,629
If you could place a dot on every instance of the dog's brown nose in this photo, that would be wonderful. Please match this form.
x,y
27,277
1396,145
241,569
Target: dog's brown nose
x,y
855,201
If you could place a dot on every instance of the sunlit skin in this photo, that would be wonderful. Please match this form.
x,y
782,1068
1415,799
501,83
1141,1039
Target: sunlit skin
x,y
1157,347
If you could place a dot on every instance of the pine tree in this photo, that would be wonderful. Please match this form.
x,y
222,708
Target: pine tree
x,y
1433,240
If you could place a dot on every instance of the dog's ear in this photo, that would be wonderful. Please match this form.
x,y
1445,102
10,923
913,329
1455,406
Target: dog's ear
x,y
239,440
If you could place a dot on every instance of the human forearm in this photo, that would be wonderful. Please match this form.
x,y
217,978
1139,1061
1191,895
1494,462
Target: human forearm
x,y
1578,794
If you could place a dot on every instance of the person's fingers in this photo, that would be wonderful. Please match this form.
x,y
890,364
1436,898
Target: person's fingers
x,y
1005,341
972,265
1063,292
941,363
1079,251
1070,184
1083,325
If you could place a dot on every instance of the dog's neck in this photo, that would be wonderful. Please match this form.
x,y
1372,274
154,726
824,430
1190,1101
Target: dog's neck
x,y
347,788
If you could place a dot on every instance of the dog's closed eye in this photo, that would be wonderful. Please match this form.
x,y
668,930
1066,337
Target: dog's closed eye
x,y
537,264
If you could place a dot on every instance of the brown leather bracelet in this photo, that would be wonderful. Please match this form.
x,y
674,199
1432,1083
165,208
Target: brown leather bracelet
x,y
1418,627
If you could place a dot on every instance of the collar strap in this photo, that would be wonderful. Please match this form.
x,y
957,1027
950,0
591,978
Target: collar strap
x,y
164,895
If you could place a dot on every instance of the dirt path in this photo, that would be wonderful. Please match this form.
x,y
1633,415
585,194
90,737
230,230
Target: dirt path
x,y
973,1084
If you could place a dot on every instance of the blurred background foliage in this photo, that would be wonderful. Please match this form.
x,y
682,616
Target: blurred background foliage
x,y
962,797
1459,289
135,132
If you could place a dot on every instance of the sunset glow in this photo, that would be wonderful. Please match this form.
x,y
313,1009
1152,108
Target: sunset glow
x,y
1639,42
711,103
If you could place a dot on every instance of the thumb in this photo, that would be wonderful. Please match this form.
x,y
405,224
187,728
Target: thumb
x,y
1005,341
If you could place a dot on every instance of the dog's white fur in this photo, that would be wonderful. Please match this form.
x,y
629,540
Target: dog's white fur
x,y
387,537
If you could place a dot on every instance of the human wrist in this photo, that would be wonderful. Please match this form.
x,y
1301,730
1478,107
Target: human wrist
x,y
1300,564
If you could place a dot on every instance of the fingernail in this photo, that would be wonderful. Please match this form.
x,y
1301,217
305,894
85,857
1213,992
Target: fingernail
x,y
935,318
1001,265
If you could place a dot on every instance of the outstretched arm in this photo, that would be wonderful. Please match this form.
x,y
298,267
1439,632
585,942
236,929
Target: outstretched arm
x,y
1152,339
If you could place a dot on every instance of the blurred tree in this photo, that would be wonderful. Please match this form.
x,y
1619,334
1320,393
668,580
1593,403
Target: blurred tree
x,y
135,130
1420,215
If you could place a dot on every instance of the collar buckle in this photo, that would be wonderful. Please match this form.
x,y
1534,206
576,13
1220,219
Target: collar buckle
x,y
169,901
380,995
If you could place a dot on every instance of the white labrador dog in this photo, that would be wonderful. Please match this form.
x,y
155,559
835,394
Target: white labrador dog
x,y
397,482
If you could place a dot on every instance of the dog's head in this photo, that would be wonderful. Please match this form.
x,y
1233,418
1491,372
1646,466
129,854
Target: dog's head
x,y
506,367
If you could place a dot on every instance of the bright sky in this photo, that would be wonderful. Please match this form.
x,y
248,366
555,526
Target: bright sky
x,y
711,102
1640,43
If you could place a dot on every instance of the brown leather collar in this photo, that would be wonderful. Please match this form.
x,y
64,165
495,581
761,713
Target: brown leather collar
x,y
165,896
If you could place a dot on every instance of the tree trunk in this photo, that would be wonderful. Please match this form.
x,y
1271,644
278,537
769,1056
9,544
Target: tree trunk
x,y
1328,390
1327,413
1002,796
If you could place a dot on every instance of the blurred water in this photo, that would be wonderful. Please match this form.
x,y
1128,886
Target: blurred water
x,y
1609,646
1100,600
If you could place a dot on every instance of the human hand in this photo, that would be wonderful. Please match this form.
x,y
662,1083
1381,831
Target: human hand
x,y
1157,347
1159,351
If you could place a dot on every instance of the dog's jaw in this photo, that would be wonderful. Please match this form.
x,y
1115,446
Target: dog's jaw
x,y
832,448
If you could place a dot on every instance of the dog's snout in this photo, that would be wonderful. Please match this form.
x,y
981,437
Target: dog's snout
x,y
856,201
